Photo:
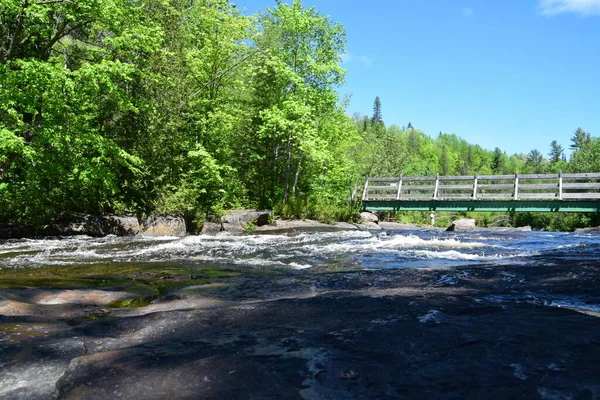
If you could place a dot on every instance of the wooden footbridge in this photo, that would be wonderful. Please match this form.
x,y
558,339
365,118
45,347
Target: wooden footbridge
x,y
492,193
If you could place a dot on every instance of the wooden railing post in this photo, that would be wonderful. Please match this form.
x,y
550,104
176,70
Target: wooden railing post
x,y
560,185
517,186
365,192
437,184
475,187
399,188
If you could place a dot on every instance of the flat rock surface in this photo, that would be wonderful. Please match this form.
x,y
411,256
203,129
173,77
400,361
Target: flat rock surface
x,y
481,332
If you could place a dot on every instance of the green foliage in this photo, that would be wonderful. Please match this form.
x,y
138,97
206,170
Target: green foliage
x,y
556,221
587,159
580,139
556,152
189,107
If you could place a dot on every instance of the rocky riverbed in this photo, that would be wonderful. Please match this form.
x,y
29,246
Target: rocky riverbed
x,y
482,331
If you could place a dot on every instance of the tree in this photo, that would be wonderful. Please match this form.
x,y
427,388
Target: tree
x,y
535,161
376,119
498,161
556,152
68,78
588,158
580,139
444,161
294,81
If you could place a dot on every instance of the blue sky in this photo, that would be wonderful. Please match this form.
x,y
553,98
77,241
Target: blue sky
x,y
514,74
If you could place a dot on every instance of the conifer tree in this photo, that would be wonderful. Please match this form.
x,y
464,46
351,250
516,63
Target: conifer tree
x,y
580,139
376,119
556,152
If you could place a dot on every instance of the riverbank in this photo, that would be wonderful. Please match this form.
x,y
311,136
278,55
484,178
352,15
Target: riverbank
x,y
235,222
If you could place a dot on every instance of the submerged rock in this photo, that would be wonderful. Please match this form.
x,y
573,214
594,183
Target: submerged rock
x,y
526,228
462,225
396,225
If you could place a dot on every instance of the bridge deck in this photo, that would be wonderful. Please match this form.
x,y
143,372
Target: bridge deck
x,y
529,192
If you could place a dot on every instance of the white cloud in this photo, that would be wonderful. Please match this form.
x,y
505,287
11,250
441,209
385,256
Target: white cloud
x,y
366,60
583,7
467,12
348,57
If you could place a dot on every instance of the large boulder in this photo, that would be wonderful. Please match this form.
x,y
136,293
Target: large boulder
x,y
78,224
121,226
166,225
92,225
239,220
246,217
211,228
367,217
462,225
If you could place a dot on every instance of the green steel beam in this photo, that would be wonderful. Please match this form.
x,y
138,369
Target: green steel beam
x,y
584,206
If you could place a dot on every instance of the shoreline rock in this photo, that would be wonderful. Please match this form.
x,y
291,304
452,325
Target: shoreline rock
x,y
167,225
588,229
462,225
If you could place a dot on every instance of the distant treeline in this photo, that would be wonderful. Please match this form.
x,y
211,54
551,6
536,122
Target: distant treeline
x,y
189,107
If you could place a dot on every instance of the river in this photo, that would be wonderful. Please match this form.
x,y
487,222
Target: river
x,y
306,314
309,250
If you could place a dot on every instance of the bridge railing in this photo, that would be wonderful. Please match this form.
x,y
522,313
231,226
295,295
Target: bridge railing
x,y
485,187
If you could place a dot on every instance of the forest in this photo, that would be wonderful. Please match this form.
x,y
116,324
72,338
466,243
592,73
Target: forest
x,y
189,107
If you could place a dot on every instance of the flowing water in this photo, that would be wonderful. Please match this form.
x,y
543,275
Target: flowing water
x,y
516,311
310,250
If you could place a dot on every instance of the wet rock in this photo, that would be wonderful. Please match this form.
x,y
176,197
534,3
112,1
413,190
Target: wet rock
x,y
32,373
164,226
165,299
345,225
368,217
462,225
369,226
211,228
79,224
290,225
14,231
508,229
92,225
22,299
122,225
79,296
396,225
244,218
588,229
399,333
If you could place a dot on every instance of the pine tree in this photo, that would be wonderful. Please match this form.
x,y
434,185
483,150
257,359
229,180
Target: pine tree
x,y
497,160
365,123
376,119
556,152
580,139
